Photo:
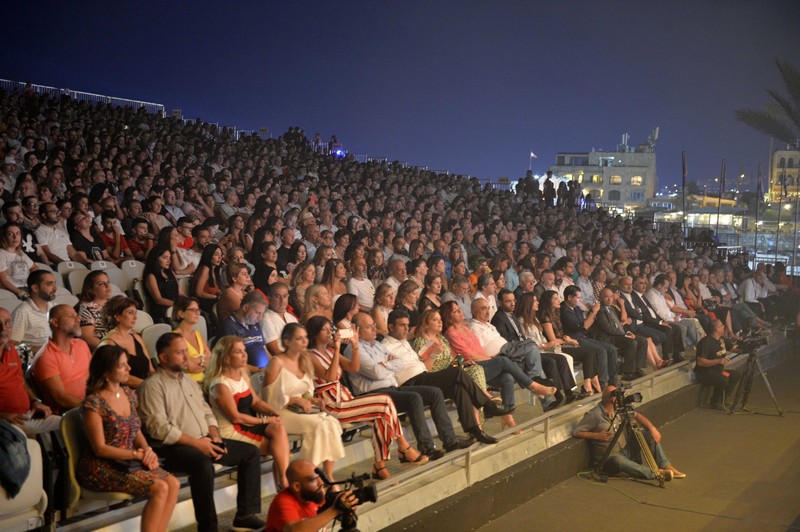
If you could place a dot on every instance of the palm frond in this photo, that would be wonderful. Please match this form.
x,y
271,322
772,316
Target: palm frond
x,y
791,78
767,123
791,111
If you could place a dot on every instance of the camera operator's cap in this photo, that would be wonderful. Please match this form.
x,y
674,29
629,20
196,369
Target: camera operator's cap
x,y
10,161
305,218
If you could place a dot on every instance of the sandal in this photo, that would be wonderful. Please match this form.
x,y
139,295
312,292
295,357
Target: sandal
x,y
377,475
421,459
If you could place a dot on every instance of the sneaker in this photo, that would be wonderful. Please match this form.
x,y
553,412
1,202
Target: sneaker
x,y
248,522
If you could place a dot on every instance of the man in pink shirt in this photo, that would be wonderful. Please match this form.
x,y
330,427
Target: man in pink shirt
x,y
61,368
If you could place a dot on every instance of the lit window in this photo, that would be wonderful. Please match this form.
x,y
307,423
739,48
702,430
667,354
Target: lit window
x,y
616,180
636,181
596,178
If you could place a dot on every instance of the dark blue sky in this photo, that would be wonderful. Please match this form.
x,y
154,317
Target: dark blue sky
x,y
469,87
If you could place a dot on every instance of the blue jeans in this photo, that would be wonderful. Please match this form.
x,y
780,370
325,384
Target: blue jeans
x,y
606,358
502,372
622,463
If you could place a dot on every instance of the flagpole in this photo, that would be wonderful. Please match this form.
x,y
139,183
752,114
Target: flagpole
x,y
683,184
794,248
780,210
759,199
719,201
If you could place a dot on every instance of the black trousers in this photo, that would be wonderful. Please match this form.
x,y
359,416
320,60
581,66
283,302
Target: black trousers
x,y
720,382
412,400
457,386
633,351
200,468
556,368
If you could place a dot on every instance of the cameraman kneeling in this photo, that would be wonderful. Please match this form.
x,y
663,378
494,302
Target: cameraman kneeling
x,y
295,507
596,427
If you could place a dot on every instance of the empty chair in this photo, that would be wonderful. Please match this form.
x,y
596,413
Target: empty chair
x,y
65,299
133,270
72,431
118,278
10,304
75,280
67,266
150,336
143,319
103,265
7,294
43,266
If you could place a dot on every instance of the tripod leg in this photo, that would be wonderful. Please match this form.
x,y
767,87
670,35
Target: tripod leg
x,y
769,387
743,390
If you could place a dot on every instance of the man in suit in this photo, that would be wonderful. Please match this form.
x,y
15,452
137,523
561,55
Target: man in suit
x,y
607,327
645,321
507,325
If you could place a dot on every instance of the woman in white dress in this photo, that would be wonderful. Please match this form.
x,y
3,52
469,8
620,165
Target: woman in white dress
x,y
290,392
241,414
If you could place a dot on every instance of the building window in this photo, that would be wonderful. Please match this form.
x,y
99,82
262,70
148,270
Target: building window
x,y
782,163
616,180
614,195
791,163
596,178
596,194
636,181
637,196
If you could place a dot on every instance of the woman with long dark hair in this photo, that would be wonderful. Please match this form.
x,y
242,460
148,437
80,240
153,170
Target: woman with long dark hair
x,y
94,296
118,457
119,316
161,285
340,403
206,283
549,316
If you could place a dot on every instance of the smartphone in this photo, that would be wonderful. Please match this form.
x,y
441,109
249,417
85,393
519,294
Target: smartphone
x,y
345,334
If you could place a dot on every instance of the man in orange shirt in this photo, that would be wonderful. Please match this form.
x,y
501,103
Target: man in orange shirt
x,y
18,403
61,368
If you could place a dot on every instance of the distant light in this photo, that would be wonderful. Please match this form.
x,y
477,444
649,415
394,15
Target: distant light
x,y
788,206
339,153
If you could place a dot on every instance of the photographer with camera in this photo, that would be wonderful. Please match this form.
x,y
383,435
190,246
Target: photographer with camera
x,y
712,357
599,425
297,507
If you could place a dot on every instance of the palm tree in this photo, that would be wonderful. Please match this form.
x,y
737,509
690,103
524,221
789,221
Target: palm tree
x,y
781,116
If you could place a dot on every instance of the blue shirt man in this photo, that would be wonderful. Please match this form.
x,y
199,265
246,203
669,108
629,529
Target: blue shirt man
x,y
246,324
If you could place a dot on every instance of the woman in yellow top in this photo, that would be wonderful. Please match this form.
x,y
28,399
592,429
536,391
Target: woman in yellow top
x,y
185,316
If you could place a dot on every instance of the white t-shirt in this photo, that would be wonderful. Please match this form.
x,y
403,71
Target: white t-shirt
x,y
364,291
272,326
16,266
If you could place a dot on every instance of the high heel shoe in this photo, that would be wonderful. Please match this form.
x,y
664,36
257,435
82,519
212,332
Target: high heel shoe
x,y
380,473
507,422
421,459
663,364
549,392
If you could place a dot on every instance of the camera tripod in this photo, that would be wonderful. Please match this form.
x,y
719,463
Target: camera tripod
x,y
746,385
637,444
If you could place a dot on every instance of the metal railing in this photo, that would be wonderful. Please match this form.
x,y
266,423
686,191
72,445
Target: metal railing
x,y
150,107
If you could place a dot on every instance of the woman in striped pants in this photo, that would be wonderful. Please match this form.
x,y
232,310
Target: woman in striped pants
x,y
340,403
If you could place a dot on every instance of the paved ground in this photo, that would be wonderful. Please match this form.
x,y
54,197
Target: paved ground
x,y
743,474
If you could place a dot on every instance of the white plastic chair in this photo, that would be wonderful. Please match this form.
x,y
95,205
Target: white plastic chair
x,y
151,334
75,280
68,266
143,319
133,269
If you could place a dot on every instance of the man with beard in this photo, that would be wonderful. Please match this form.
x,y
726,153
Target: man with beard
x,y
31,326
246,324
61,368
296,507
185,435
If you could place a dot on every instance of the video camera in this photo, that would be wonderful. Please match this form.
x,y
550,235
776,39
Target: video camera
x,y
624,403
751,342
362,490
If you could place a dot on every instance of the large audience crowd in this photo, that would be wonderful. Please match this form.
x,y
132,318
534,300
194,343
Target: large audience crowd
x,y
354,290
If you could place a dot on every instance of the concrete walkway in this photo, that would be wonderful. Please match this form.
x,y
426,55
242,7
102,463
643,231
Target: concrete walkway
x,y
743,473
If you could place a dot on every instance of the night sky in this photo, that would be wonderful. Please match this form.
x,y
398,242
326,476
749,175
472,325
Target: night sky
x,y
470,87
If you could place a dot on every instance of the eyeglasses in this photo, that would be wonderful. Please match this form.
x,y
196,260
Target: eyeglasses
x,y
192,309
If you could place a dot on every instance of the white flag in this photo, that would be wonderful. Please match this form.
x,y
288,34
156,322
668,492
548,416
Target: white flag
x,y
533,155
